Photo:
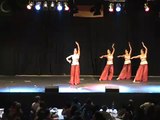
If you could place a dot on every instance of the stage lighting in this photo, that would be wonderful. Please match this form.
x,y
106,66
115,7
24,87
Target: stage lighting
x,y
66,7
38,6
45,4
146,7
52,4
59,6
111,7
29,6
118,7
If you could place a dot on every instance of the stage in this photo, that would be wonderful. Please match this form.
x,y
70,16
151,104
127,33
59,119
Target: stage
x,y
89,84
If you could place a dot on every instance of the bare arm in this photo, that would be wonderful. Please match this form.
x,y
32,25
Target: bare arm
x,y
103,56
68,58
120,56
113,49
130,48
135,57
78,48
146,49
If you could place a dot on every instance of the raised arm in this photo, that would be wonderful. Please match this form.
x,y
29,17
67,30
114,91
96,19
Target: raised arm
x,y
135,57
146,49
68,58
113,49
130,48
78,48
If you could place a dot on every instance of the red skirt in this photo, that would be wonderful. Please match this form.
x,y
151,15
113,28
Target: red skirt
x,y
107,73
142,73
125,72
75,75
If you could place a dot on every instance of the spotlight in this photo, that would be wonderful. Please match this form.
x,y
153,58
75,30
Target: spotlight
x,y
146,7
52,4
29,6
59,6
45,4
118,7
66,7
111,7
38,6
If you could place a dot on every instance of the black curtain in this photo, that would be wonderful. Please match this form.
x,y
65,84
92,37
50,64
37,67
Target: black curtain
x,y
38,42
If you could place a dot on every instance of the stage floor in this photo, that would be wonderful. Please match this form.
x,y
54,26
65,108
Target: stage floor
x,y
89,84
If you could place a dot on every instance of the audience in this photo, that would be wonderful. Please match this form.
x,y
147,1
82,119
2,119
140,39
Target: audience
x,y
88,111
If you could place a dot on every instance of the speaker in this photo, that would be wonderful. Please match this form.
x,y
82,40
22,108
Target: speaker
x,y
53,89
112,90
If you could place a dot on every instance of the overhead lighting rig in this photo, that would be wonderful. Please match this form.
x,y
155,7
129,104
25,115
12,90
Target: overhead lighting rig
x,y
58,5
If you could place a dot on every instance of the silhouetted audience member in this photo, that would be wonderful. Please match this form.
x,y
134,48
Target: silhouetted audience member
x,y
124,113
131,107
34,107
98,116
76,103
76,116
105,114
88,110
66,112
157,112
14,112
41,111
148,109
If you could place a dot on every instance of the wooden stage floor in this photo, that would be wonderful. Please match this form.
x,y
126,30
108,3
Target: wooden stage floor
x,y
89,84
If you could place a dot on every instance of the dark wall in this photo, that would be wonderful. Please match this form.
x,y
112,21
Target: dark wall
x,y
38,42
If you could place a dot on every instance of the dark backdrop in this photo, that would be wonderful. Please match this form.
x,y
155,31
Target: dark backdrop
x,y
38,42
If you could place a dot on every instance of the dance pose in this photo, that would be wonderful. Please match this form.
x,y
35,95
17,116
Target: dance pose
x,y
142,72
75,68
126,70
108,71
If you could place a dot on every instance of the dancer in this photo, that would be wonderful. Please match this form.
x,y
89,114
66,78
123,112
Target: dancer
x,y
108,71
142,72
126,70
75,68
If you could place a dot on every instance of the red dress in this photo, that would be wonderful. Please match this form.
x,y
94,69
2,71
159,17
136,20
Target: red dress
x,y
142,72
108,70
126,70
75,69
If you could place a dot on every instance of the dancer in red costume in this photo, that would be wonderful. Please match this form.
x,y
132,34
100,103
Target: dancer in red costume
x,y
108,71
75,68
142,72
126,70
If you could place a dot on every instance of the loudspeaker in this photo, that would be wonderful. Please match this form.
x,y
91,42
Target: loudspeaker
x,y
53,89
112,90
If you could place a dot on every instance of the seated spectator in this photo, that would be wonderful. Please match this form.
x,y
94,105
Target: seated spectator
x,y
124,114
87,110
14,112
76,103
66,112
105,114
40,113
34,107
98,116
76,116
